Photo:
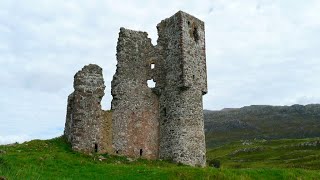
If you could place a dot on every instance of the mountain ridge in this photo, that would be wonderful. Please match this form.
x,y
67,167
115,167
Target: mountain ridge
x,y
261,122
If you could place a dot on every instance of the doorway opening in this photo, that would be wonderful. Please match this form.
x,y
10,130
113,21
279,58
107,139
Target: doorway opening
x,y
141,151
95,147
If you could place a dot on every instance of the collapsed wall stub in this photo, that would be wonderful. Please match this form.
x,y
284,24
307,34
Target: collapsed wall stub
x,y
85,127
174,106
134,105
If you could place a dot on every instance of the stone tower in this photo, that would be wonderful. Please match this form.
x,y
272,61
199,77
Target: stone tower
x,y
165,121
182,82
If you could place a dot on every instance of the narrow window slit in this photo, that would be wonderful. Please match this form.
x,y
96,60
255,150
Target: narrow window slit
x,y
195,34
95,147
141,151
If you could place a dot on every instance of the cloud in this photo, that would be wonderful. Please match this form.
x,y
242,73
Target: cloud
x,y
262,55
258,52
13,139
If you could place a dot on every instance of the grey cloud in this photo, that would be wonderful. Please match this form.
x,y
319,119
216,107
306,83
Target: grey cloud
x,y
264,55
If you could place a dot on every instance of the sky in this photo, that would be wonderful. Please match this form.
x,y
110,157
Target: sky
x,y
258,52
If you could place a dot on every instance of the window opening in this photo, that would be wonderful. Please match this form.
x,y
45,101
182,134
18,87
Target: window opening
x,y
195,34
96,147
152,66
141,151
151,83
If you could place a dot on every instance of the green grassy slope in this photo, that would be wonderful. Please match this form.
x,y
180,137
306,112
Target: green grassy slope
x,y
53,159
285,153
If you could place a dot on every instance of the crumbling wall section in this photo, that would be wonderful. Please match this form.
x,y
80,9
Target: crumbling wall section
x,y
69,119
134,105
84,115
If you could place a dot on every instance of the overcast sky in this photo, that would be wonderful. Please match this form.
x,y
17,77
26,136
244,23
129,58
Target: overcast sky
x,y
258,52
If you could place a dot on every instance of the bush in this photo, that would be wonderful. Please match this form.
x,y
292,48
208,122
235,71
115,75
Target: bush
x,y
214,163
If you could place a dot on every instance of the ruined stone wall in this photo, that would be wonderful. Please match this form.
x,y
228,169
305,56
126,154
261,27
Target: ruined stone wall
x,y
84,115
163,122
181,40
69,118
106,132
134,105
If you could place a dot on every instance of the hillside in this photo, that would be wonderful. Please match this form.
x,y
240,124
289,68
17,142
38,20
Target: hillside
x,y
53,159
261,122
283,153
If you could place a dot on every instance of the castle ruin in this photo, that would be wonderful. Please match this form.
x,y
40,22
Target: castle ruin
x,y
163,122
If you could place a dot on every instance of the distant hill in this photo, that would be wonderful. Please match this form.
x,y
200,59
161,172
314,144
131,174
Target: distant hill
x,y
261,122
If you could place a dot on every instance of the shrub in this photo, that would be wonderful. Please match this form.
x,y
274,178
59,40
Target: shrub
x,y
214,163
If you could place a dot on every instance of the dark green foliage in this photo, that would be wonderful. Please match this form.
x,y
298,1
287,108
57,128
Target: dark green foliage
x,y
214,163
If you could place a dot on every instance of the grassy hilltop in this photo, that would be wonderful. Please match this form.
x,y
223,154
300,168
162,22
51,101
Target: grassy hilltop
x,y
53,159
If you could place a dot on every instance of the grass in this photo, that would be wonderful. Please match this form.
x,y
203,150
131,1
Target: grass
x,y
53,159
285,153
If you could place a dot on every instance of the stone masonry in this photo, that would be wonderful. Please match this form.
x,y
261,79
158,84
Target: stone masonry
x,y
165,121
182,82
135,107
85,126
